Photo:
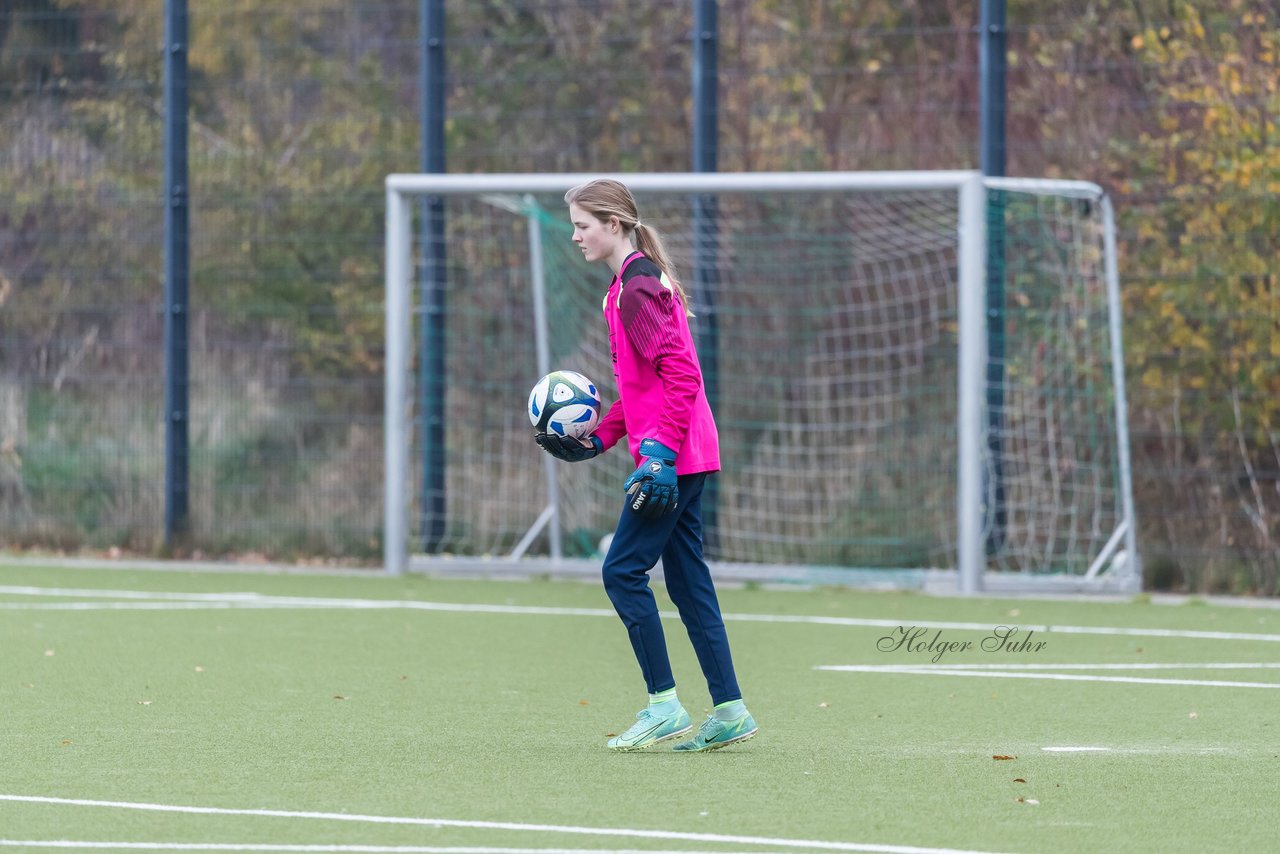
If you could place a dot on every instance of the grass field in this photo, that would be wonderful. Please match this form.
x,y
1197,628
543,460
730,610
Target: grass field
x,y
237,711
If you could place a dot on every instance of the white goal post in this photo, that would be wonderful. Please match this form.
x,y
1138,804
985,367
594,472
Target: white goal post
x,y
1037,488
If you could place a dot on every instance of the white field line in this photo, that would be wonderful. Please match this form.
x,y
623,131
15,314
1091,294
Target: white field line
x,y
921,670
88,845
94,593
141,600
1217,665
720,838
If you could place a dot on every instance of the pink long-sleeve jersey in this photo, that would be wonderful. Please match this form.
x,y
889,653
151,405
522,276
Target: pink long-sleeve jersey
x,y
660,390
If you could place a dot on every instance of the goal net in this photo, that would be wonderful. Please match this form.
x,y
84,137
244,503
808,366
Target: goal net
x,y
909,371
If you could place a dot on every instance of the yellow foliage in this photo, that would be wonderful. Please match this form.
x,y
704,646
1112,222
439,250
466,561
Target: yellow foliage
x,y
1213,237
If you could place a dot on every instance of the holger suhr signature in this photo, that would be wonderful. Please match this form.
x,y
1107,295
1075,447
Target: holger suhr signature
x,y
917,640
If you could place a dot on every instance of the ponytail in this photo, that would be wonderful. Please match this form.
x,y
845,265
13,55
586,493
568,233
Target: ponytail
x,y
648,242
604,198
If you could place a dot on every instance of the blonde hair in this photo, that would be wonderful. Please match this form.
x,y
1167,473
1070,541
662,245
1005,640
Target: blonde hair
x,y
603,198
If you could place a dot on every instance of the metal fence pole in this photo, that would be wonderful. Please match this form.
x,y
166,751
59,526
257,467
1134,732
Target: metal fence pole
x,y
705,221
176,275
432,360
992,69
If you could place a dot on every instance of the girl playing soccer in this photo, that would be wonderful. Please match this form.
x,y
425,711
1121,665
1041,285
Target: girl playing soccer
x,y
662,410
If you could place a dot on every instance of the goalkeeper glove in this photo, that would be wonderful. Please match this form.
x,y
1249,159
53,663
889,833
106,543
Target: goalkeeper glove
x,y
569,449
652,486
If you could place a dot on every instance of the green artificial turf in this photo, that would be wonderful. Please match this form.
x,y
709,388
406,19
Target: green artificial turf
x,y
498,718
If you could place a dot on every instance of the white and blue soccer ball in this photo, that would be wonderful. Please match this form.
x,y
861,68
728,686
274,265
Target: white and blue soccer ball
x,y
565,403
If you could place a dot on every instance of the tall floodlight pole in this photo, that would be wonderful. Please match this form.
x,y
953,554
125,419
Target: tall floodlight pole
x,y
431,390
176,273
992,69
706,40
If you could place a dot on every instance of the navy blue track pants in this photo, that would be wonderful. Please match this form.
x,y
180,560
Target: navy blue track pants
x,y
677,539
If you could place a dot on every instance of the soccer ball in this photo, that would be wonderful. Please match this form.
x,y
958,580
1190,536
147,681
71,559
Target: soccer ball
x,y
565,403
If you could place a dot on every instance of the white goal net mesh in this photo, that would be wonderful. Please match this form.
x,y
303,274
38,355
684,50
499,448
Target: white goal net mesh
x,y
828,329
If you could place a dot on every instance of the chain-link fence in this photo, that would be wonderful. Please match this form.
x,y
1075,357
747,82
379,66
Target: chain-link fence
x,y
299,109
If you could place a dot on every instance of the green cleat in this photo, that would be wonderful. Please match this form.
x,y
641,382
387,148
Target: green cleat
x,y
652,729
715,733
